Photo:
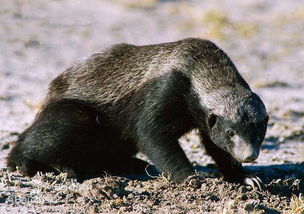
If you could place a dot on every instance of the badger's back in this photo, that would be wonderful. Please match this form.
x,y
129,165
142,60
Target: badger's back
x,y
123,69
108,76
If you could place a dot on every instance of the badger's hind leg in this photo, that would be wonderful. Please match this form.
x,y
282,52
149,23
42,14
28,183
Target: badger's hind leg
x,y
59,136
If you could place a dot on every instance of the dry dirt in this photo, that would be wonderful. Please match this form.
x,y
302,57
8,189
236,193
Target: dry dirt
x,y
39,39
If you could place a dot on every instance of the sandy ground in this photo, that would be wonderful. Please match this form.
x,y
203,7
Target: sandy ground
x,y
39,39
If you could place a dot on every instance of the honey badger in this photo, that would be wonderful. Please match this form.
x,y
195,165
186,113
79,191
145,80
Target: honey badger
x,y
100,112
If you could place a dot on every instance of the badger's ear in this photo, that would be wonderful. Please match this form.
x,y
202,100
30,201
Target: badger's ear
x,y
211,120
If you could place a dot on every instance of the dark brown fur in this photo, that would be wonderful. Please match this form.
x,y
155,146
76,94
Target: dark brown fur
x,y
99,113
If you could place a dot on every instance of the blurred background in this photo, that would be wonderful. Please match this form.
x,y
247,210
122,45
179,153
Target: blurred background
x,y
40,39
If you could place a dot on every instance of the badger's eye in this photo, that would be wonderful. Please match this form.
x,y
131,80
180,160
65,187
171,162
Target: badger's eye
x,y
230,133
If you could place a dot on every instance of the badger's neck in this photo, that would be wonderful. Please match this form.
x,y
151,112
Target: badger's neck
x,y
223,101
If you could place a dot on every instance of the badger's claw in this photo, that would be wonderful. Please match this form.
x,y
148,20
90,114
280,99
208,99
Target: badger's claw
x,y
254,182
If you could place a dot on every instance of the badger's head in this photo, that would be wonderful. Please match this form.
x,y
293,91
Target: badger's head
x,y
239,129
226,110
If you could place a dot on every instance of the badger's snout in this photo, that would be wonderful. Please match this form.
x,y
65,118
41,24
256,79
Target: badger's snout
x,y
245,152
250,155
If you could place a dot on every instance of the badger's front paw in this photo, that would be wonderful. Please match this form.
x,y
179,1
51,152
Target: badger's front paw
x,y
254,182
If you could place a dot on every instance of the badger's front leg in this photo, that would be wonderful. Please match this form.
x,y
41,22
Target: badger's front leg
x,y
161,119
230,168
158,140
167,155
